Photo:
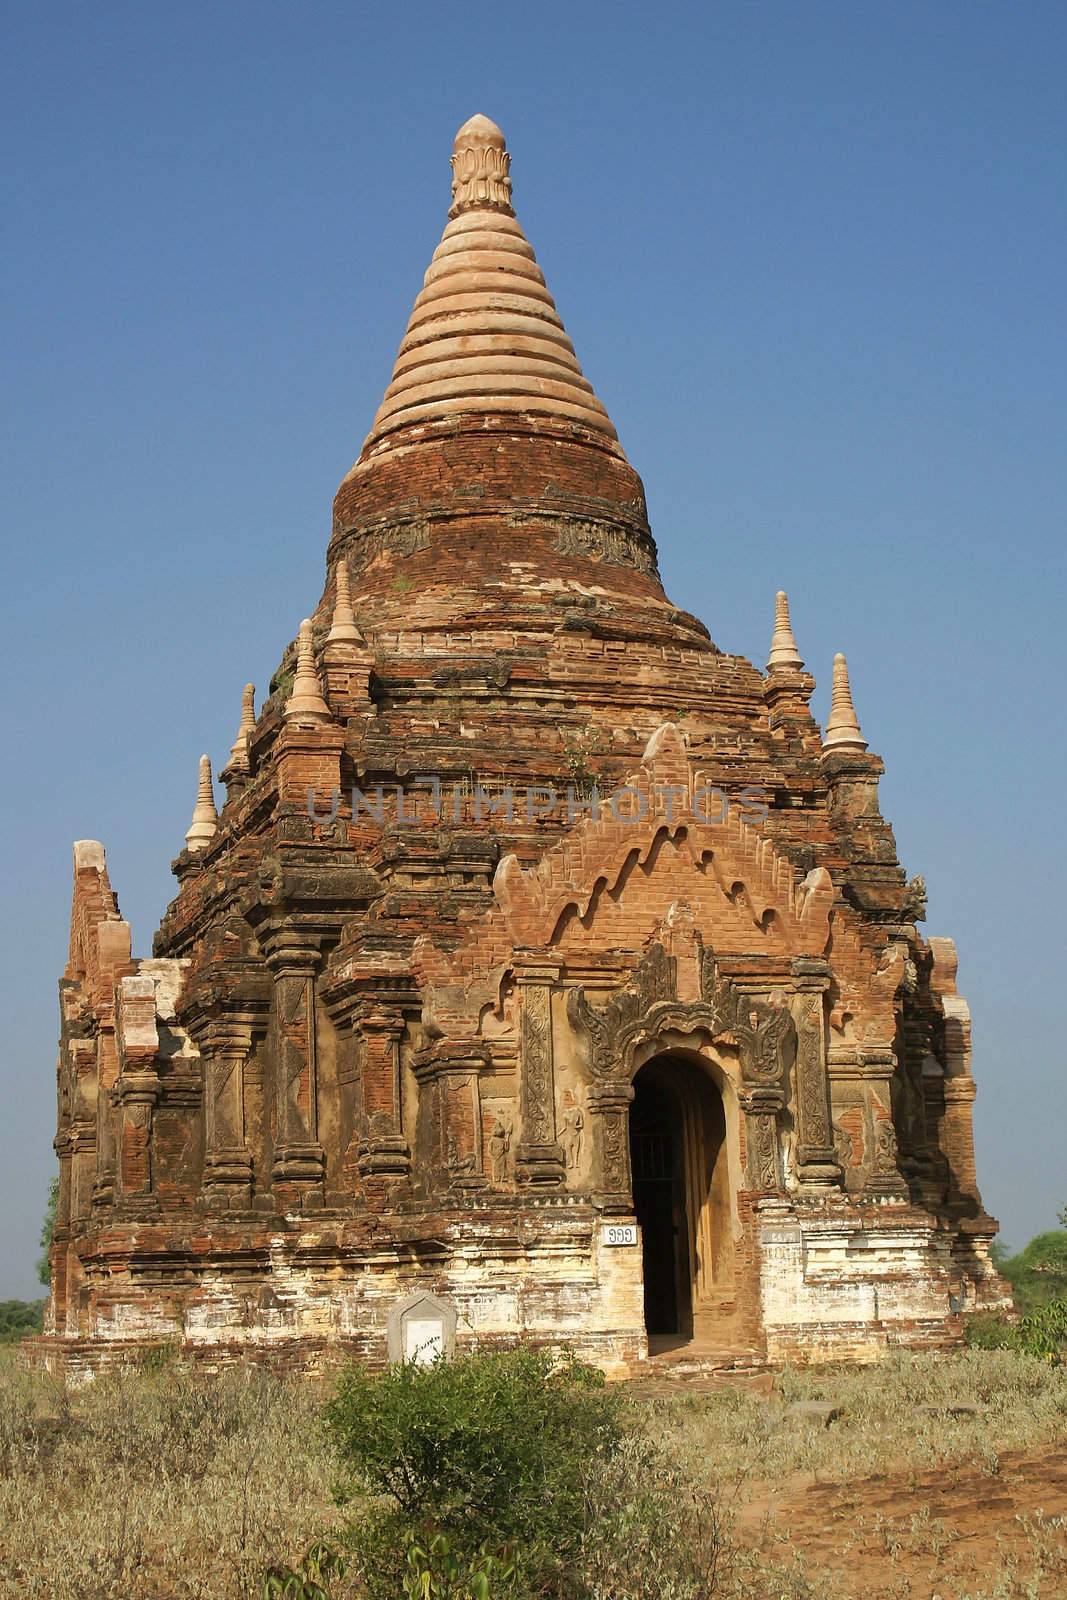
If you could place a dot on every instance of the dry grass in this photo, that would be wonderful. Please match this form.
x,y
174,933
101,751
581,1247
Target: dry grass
x,y
153,1484
896,1417
156,1484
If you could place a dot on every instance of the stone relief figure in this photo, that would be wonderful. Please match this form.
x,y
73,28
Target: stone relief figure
x,y
500,1152
462,1166
844,1146
915,899
886,1146
571,1137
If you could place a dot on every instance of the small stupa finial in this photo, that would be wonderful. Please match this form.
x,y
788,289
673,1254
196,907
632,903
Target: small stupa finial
x,y
239,761
843,728
480,166
305,703
205,817
343,628
784,653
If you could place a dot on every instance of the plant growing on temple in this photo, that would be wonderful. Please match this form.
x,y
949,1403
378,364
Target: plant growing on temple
x,y
489,1453
580,745
44,1266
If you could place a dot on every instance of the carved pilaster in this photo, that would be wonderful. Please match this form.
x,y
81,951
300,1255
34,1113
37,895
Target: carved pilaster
x,y
816,1158
958,1140
136,1089
368,1010
106,1074
885,1179
762,1106
449,1071
609,1116
135,1095
299,1161
384,1152
539,1157
225,1045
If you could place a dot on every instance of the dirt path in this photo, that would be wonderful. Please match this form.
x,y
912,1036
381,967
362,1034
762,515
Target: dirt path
x,y
949,1534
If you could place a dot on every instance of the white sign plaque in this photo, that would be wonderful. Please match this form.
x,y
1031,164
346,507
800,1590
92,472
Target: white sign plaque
x,y
618,1233
424,1340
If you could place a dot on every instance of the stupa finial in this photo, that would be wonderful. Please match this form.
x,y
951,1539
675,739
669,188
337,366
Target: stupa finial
x,y
843,728
784,653
343,628
305,703
480,166
239,749
205,816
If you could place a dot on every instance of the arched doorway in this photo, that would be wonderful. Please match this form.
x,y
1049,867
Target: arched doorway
x,y
681,1194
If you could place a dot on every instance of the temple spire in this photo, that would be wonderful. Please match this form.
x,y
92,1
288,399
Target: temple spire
x,y
239,761
343,628
843,728
305,703
784,653
484,335
480,167
205,817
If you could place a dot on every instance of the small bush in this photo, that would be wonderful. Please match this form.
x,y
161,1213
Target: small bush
x,y
1042,1332
492,1451
990,1330
435,1572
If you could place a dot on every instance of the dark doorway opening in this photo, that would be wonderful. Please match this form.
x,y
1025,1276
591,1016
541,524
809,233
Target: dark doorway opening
x,y
657,1162
682,1201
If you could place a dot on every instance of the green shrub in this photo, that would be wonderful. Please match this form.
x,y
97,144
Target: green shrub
x,y
311,1580
991,1330
492,1451
435,1572
1042,1332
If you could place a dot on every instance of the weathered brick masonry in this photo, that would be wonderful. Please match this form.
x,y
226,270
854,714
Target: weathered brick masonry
x,y
427,1053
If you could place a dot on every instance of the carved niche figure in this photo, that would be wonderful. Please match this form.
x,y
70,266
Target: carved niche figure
x,y
500,1152
844,1146
571,1136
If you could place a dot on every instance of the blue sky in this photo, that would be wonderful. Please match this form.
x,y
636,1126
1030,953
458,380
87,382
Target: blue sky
x,y
811,256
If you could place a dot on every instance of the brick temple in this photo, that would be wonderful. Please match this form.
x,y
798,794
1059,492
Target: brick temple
x,y
547,973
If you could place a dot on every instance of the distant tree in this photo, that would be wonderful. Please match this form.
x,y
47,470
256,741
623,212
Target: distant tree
x,y
44,1270
1038,1273
19,1317
1063,1217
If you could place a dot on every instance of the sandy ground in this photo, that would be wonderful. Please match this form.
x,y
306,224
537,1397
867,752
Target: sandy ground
x,y
995,1527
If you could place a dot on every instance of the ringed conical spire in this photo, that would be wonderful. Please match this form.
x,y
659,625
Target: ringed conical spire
x,y
205,821
843,727
784,653
343,628
484,335
238,761
305,703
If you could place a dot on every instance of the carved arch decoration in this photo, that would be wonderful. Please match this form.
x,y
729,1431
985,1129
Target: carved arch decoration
x,y
596,856
645,1011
